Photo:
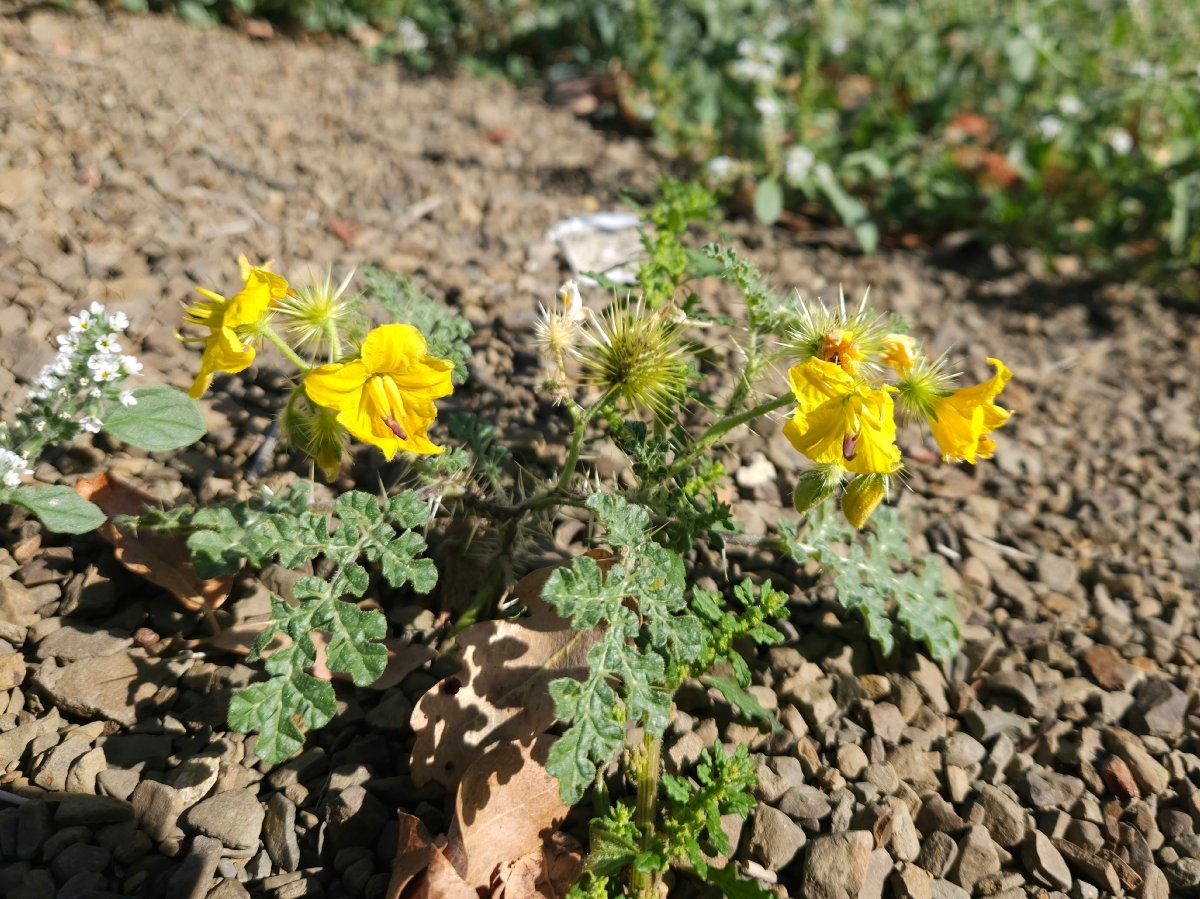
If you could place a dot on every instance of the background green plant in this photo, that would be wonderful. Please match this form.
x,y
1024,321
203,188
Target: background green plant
x,y
1071,126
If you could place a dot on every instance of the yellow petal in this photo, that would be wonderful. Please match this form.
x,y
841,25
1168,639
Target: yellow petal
x,y
337,385
393,349
963,420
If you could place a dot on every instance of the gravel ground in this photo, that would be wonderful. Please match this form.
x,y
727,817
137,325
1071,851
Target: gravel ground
x,y
1055,756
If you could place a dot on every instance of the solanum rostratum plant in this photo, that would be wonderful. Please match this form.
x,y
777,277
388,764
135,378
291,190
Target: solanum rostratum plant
x,y
636,373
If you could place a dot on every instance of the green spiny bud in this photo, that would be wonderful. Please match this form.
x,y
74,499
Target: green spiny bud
x,y
815,486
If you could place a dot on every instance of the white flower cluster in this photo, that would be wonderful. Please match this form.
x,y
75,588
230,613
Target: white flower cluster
x,y
12,466
757,62
72,393
89,356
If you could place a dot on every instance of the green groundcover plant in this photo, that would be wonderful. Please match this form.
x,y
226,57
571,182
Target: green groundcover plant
x,y
1069,126
636,375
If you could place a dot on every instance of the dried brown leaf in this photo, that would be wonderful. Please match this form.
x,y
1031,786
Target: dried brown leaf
x,y
546,873
414,851
162,559
507,804
441,881
499,694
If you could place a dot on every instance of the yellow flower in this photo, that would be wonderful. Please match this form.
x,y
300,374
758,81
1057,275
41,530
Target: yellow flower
x,y
961,421
841,420
386,396
900,352
230,321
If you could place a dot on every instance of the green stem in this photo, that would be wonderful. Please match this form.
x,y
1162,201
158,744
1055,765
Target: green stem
x,y
724,426
645,883
269,333
335,342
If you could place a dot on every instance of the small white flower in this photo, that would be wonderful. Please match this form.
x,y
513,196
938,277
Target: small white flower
x,y
118,321
12,466
47,381
130,365
108,344
39,425
105,368
571,300
837,45
67,342
1070,105
768,107
1121,142
1050,126
752,70
410,36
62,364
95,393
797,164
127,398
81,322
719,167
96,309
91,424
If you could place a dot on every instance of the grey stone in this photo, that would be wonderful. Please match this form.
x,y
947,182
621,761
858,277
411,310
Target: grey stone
x,y
228,888
1154,884
962,749
1045,862
774,838
14,742
804,802
34,826
986,724
851,760
157,807
1158,709
52,773
353,816
118,783
72,642
84,772
91,810
1149,775
938,816
83,885
887,722
279,833
815,703
195,777
235,818
1016,684
945,889
194,878
1003,816
1044,789
977,858
121,686
79,857
904,843
912,882
843,866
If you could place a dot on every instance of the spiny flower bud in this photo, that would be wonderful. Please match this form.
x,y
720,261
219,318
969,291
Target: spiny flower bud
x,y
863,496
638,358
314,431
816,485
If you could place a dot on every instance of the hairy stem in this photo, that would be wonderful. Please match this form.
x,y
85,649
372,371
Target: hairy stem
x,y
280,344
645,883
724,426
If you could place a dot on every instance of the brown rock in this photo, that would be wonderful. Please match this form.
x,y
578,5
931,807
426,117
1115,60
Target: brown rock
x,y
1119,778
1107,666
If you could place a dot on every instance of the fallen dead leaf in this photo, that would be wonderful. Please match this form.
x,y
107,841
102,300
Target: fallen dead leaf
x,y
500,694
414,851
546,873
162,559
507,804
440,881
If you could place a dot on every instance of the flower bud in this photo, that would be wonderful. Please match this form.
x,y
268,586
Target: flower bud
x,y
815,486
314,431
863,496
